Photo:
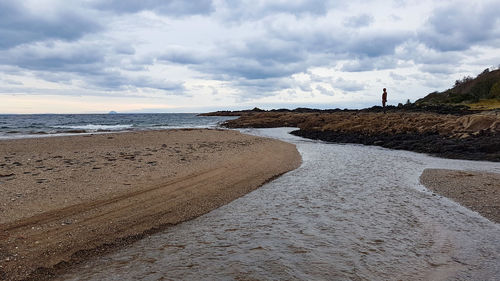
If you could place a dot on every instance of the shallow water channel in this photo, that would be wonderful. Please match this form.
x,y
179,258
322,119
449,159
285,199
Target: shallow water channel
x,y
350,212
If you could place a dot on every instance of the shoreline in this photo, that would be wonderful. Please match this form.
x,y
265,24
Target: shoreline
x,y
72,133
474,136
478,191
69,198
49,125
481,147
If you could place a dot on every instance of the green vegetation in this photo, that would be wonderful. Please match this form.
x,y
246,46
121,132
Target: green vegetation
x,y
482,92
488,104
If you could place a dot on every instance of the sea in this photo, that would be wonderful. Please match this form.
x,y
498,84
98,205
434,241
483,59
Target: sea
x,y
14,126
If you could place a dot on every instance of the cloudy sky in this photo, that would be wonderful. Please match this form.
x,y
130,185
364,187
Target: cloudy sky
x,y
90,56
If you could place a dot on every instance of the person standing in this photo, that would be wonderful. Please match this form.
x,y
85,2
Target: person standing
x,y
384,97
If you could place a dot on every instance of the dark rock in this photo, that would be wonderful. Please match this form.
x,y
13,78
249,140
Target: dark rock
x,y
482,147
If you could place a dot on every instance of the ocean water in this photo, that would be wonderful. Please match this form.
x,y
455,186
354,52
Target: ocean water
x,y
350,212
36,125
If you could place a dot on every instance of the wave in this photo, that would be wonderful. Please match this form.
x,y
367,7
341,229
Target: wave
x,y
96,127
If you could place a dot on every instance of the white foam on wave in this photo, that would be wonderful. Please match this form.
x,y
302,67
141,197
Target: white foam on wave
x,y
95,127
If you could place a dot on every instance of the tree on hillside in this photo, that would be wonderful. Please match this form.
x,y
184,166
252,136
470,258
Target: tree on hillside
x,y
486,71
463,80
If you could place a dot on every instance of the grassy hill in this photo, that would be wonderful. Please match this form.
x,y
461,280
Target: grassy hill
x,y
482,92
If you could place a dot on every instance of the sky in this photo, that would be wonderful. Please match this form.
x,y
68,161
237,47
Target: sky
x,y
94,56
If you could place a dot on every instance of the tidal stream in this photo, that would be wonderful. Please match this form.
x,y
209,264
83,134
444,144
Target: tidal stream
x,y
350,212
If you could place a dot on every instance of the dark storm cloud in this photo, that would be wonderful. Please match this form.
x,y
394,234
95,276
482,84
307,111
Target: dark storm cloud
x,y
19,25
167,7
458,27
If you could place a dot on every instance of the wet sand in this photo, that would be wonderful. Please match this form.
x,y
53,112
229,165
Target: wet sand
x,y
64,198
478,191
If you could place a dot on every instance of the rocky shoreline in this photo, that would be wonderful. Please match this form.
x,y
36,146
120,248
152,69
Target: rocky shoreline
x,y
449,132
484,146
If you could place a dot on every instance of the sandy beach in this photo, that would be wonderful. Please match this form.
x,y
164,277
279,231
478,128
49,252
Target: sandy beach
x,y
64,198
477,191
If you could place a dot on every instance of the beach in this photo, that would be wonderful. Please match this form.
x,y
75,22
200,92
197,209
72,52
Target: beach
x,y
479,191
67,198
249,140
349,212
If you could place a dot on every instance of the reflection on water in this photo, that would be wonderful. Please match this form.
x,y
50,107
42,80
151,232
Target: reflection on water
x,y
350,212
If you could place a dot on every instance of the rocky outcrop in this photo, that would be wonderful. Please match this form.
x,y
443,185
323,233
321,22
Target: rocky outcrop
x,y
472,136
483,146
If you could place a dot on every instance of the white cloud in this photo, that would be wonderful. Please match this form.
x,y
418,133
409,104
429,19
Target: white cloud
x,y
246,52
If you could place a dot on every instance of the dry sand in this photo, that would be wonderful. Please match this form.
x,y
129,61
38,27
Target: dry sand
x,y
65,197
475,190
